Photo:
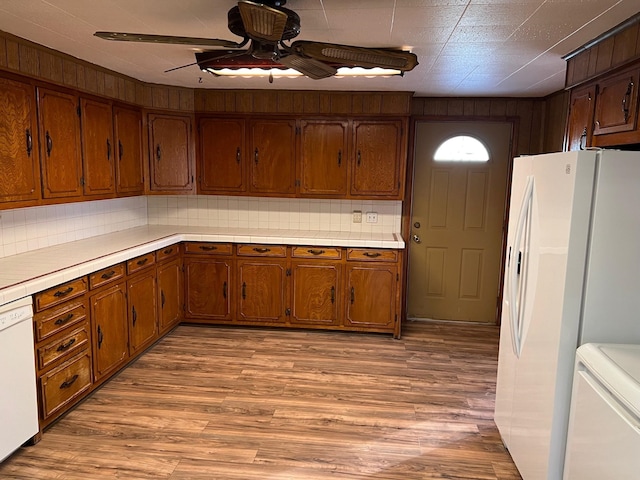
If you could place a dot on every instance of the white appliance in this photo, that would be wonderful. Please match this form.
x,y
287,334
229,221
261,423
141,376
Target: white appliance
x,y
18,401
571,277
604,424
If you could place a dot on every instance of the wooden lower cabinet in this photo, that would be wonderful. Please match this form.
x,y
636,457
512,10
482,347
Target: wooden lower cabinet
x,y
208,288
170,294
316,292
142,311
262,289
372,290
110,332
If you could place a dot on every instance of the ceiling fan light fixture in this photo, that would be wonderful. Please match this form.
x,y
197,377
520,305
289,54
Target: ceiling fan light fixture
x,y
248,72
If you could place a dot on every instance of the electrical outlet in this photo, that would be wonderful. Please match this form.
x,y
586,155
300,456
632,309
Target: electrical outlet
x,y
372,217
357,216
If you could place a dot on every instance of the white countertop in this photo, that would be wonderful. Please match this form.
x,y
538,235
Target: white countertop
x,y
31,272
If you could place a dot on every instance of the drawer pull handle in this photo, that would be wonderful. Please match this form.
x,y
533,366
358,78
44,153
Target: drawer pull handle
x,y
120,150
359,157
142,261
108,149
353,295
68,383
238,156
371,254
244,291
208,248
158,152
108,275
162,299
134,314
256,155
62,293
224,290
333,295
65,346
261,250
315,252
167,251
339,158
63,320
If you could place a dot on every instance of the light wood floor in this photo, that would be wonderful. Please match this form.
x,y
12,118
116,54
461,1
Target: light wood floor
x,y
233,403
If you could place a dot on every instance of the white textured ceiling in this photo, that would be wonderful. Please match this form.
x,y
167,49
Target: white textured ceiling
x,y
465,47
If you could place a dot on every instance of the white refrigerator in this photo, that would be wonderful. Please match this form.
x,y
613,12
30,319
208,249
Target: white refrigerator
x,y
571,277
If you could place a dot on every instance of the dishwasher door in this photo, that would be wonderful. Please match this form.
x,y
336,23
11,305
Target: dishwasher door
x,y
604,427
18,400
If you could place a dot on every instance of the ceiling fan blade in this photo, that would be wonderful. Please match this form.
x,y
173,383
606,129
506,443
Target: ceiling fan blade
x,y
308,66
262,22
141,37
180,67
356,56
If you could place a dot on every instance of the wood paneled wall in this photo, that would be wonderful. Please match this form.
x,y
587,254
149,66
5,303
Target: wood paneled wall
x,y
534,117
32,60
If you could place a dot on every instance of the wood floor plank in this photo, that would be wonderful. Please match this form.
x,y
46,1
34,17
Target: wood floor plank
x,y
251,403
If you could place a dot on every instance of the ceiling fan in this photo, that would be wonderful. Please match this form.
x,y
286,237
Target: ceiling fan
x,y
264,28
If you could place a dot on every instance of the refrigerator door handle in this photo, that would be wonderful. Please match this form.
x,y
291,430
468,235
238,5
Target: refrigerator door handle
x,y
514,308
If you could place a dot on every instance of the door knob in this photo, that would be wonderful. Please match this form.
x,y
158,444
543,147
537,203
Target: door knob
x,y
416,238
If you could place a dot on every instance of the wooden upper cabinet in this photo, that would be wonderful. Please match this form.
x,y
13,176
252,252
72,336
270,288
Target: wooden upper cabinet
x,y
272,156
324,157
221,159
19,171
170,153
377,158
617,103
580,118
127,125
97,147
61,157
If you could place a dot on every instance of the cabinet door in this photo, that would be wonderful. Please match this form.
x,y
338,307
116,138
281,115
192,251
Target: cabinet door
x,y
143,314
317,292
208,288
19,172
323,158
127,124
222,157
617,103
109,329
371,295
170,295
580,121
170,153
378,159
272,156
61,157
262,290
97,147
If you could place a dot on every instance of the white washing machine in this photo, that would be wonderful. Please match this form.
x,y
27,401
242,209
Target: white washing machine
x,y
604,424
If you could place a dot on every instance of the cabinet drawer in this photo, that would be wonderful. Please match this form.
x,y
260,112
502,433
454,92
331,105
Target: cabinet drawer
x,y
54,320
262,250
59,294
167,252
316,252
138,263
75,341
106,275
371,254
66,383
208,248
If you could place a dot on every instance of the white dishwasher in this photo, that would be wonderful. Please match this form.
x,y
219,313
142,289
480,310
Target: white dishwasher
x,y
603,440
18,401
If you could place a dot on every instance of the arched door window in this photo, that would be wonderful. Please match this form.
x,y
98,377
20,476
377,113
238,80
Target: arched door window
x,y
461,148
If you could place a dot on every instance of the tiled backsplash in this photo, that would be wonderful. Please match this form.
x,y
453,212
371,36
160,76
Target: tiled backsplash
x,y
273,213
26,229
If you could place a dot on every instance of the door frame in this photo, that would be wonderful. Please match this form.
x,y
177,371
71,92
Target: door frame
x,y
407,204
